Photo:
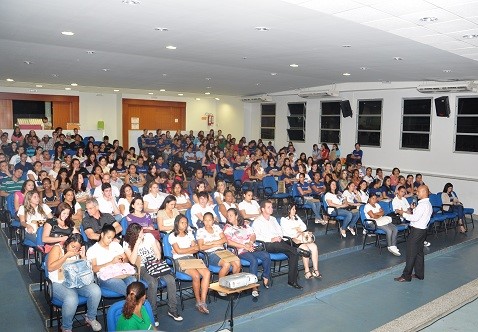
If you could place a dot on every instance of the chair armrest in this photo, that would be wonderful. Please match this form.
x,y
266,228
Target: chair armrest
x,y
368,222
48,290
171,262
203,255
287,239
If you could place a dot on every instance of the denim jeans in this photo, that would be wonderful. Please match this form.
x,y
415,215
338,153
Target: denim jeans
x,y
350,219
252,258
116,285
69,297
152,291
315,206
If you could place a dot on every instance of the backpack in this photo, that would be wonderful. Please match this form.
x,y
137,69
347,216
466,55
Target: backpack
x,y
77,274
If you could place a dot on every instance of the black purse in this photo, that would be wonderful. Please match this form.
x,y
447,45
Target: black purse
x,y
303,253
156,268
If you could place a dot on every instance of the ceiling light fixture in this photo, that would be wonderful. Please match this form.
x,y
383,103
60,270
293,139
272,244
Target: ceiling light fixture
x,y
39,86
429,19
471,36
105,69
90,52
131,2
150,93
67,33
180,94
171,47
33,90
346,74
116,90
54,75
346,46
262,28
198,98
217,98
208,78
165,74
273,74
162,90
27,62
364,68
161,29
207,93
397,58
10,80
68,89
74,84
447,70
293,65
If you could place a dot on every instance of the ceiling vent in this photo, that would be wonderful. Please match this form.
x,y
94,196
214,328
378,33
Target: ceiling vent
x,y
257,99
318,94
447,87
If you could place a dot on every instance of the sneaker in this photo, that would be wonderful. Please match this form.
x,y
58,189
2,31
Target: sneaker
x,y
394,250
364,232
95,325
352,231
156,323
175,315
255,293
426,243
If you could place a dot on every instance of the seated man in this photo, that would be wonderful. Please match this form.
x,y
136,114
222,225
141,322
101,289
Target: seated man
x,y
199,178
94,221
268,230
107,202
400,203
106,178
199,209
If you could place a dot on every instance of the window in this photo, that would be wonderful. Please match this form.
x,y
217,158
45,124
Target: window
x,y
330,122
296,120
416,124
369,122
466,139
268,121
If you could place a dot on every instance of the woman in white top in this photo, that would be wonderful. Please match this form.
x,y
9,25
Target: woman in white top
x,y
228,203
340,204
249,208
32,214
184,246
219,193
153,200
351,195
292,226
54,171
183,201
71,250
363,191
126,196
166,214
374,211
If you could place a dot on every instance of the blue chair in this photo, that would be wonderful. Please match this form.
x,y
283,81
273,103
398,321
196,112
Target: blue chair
x,y
439,215
13,222
332,216
238,185
124,225
370,227
190,221
83,234
114,313
301,203
271,189
54,302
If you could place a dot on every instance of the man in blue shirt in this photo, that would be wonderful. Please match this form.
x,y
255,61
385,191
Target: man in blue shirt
x,y
357,154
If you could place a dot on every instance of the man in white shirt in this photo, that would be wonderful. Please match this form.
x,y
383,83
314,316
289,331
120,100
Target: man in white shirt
x,y
400,203
106,179
199,209
418,231
268,230
107,203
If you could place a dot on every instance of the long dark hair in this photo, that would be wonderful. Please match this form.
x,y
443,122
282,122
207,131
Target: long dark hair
x,y
176,224
62,207
123,188
240,219
73,203
167,200
74,237
132,233
448,185
135,198
289,208
74,183
134,293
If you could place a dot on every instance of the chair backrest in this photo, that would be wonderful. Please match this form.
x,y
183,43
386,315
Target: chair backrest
x,y
83,234
216,211
135,189
190,220
270,185
124,225
435,201
363,217
11,204
386,206
39,241
167,248
114,313
238,174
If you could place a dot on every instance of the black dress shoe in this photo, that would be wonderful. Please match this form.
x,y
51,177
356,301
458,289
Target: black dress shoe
x,y
416,277
401,279
295,285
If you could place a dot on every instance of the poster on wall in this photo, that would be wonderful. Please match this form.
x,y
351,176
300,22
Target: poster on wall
x,y
134,123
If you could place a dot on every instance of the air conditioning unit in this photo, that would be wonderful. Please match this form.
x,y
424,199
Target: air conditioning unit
x,y
447,87
257,99
318,94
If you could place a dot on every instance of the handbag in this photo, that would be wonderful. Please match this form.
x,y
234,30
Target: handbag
x,y
118,270
156,268
306,237
77,274
303,253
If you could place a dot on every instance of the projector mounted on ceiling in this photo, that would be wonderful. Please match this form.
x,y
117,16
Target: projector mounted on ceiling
x,y
256,99
447,87
318,94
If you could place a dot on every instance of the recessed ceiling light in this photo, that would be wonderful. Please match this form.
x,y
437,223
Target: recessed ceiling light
x,y
244,57
258,84
171,47
471,36
273,74
116,90
180,94
217,98
10,80
131,2
198,98
150,93
429,19
364,68
74,84
207,93
447,70
208,87
28,62
105,69
165,74
346,74
67,33
208,78
161,29
162,90
398,58
262,28
39,86
90,52
68,89
346,46
386,82
294,65
33,90
54,75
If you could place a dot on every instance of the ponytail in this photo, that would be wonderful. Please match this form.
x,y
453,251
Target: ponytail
x,y
134,293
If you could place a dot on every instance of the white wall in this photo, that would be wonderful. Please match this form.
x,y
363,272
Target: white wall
x,y
439,165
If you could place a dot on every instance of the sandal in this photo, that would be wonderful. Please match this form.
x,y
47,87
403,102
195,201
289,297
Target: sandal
x,y
461,228
266,284
316,274
308,275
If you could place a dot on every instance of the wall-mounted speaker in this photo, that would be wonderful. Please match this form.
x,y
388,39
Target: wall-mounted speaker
x,y
442,106
346,109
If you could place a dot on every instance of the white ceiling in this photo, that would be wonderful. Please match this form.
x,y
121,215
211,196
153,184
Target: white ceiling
x,y
219,51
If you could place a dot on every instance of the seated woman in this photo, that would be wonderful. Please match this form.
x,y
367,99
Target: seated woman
x,y
71,250
153,200
107,252
62,180
184,246
94,179
362,191
305,191
375,189
48,195
210,239
134,316
335,201
292,226
394,177
374,211
228,203
59,228
125,198
182,198
138,244
119,166
242,237
134,178
76,210
249,208
138,216
33,214
343,181
253,177
449,197
19,196
352,195
219,193
388,193
166,214
201,187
